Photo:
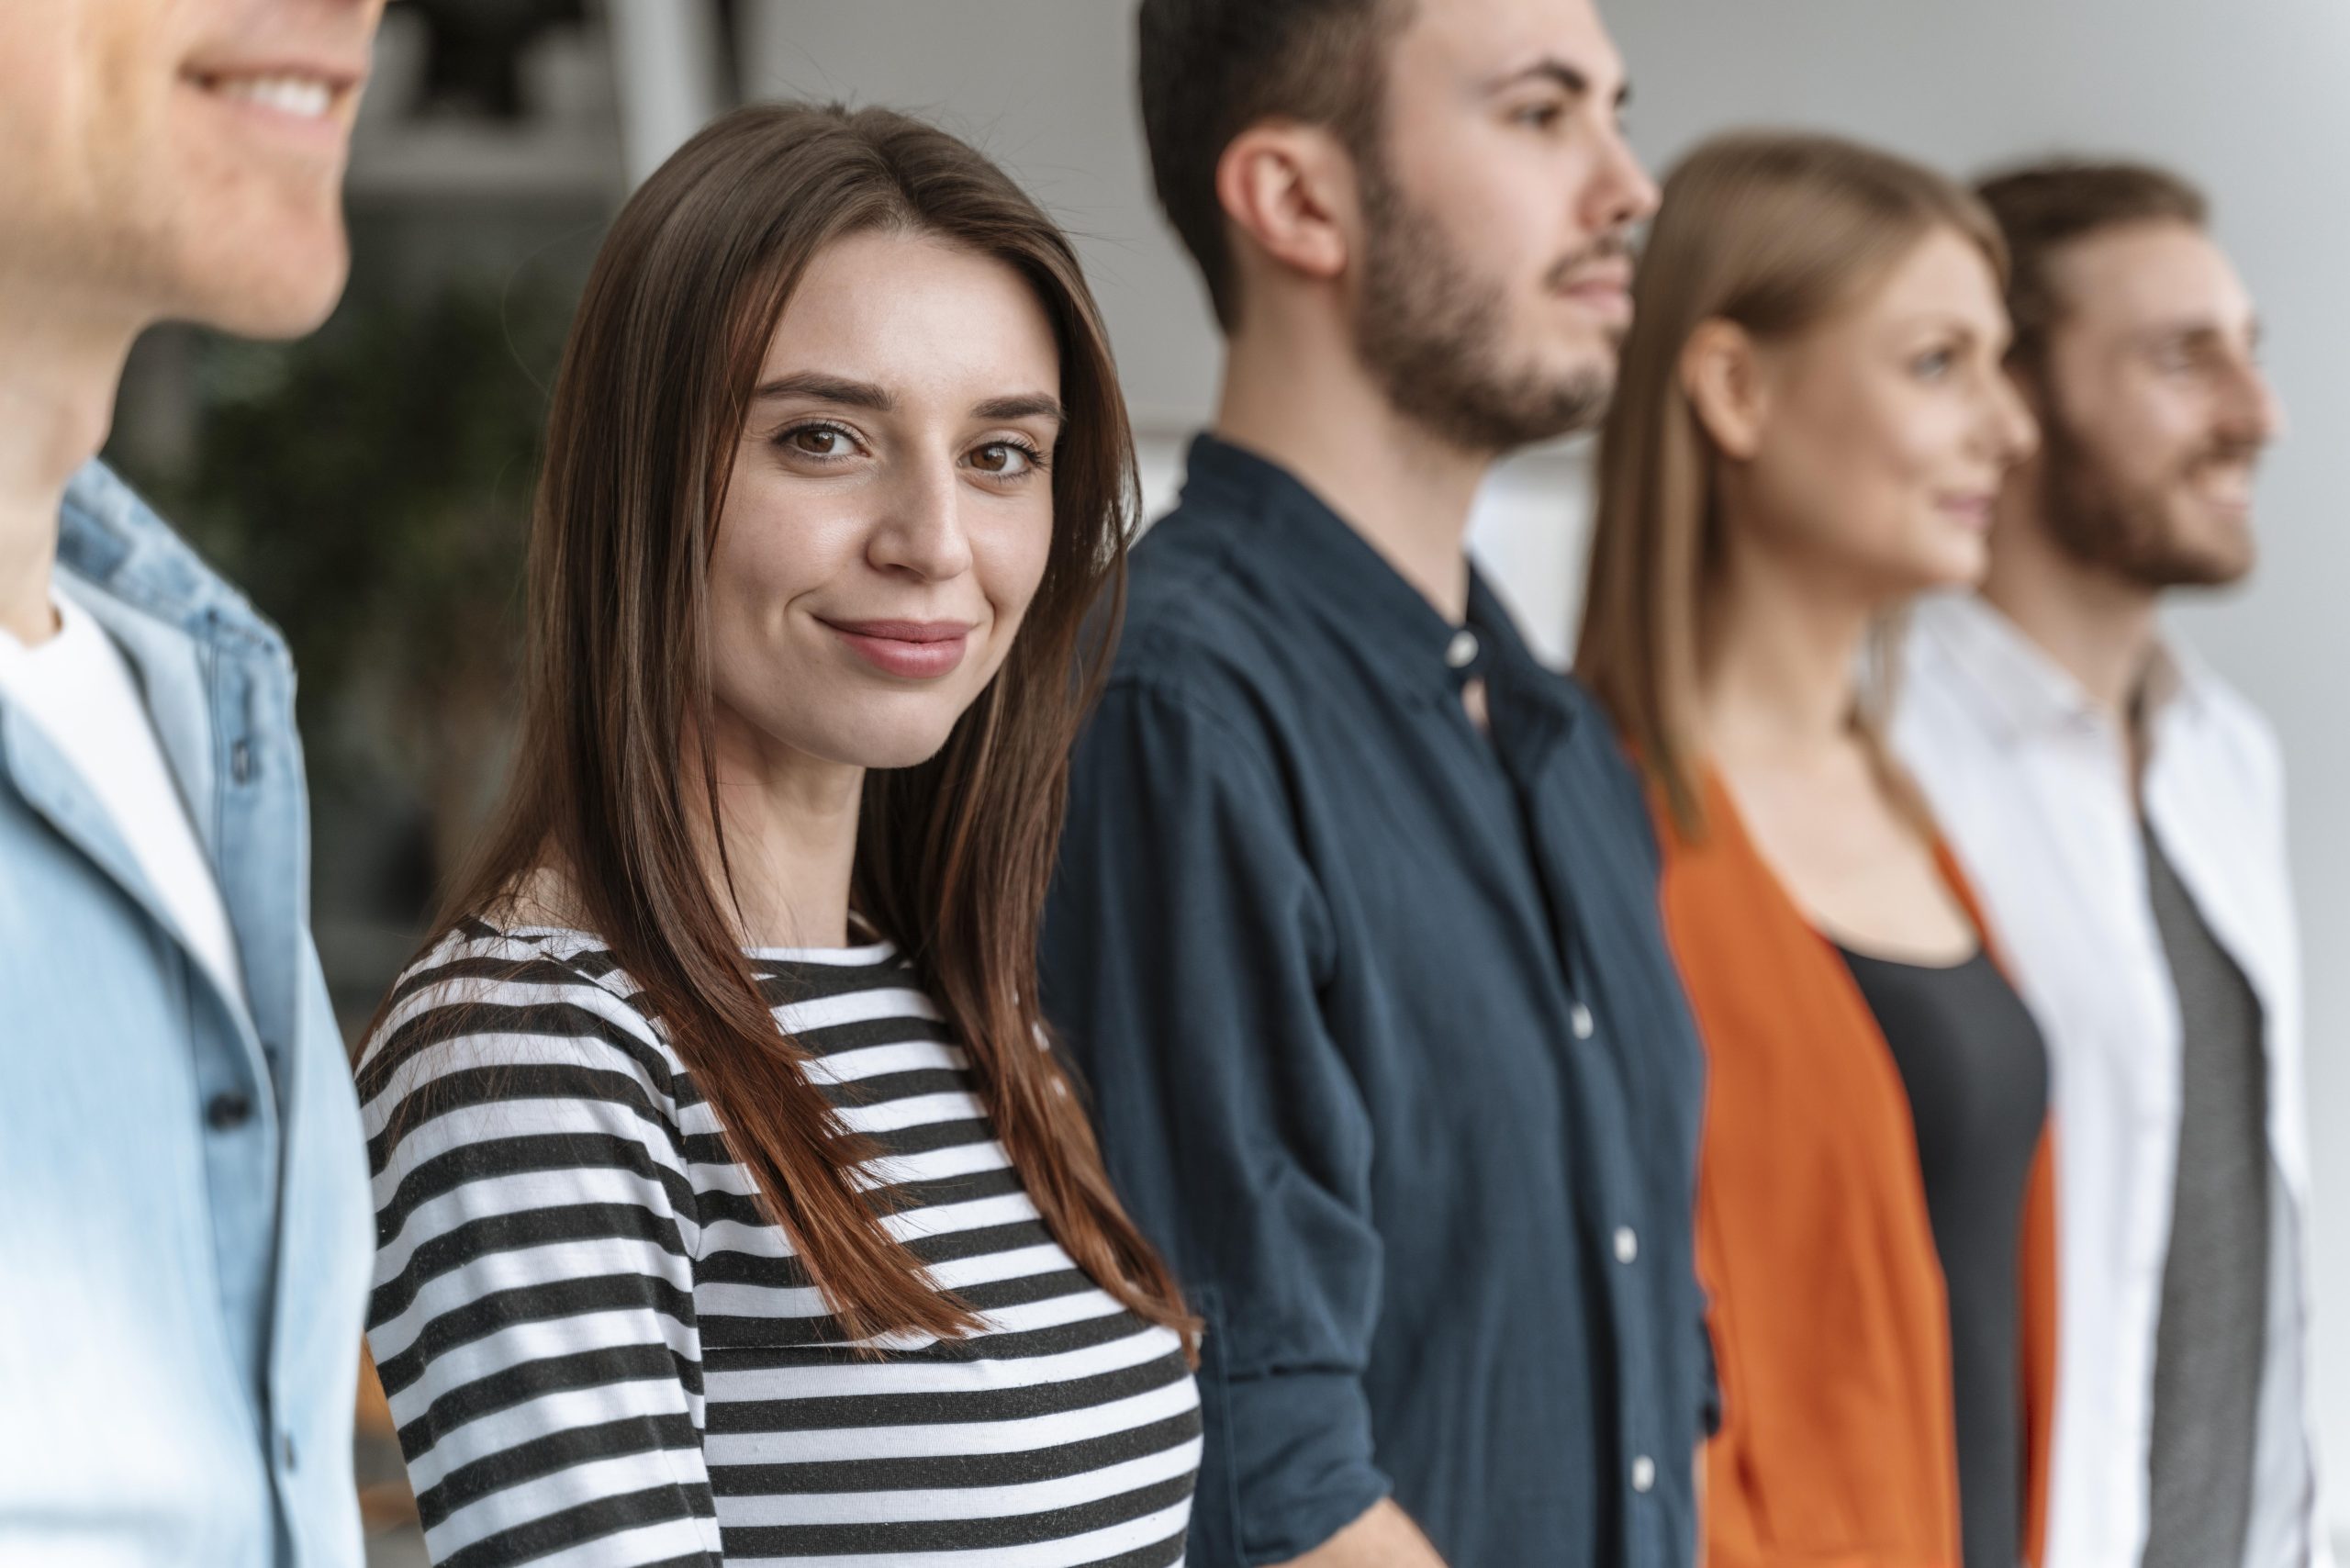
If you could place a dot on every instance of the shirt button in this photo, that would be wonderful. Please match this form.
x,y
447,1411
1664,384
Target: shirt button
x,y
227,1111
241,761
1462,653
285,1447
1628,1245
1644,1474
1581,1020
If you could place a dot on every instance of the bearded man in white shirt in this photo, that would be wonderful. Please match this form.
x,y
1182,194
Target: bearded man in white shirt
x,y
2122,811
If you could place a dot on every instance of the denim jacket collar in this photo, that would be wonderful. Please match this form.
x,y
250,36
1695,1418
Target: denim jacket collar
x,y
112,540
220,685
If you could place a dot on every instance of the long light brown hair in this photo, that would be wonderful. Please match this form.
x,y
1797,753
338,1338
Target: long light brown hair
x,y
953,856
1774,233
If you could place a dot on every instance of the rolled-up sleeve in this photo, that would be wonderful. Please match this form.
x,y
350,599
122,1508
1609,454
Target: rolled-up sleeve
x,y
1186,945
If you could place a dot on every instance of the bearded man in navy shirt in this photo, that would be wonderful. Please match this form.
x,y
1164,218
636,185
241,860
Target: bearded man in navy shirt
x,y
1356,935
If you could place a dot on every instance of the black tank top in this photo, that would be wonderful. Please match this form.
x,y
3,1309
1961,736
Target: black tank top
x,y
1977,1072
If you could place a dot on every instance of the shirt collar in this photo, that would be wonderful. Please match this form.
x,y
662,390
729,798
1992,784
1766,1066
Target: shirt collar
x,y
127,558
1344,581
2023,690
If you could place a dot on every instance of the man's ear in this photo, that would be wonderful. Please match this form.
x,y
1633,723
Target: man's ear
x,y
1289,191
1727,386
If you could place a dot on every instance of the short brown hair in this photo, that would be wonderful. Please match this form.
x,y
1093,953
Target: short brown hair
x,y
1210,68
2044,207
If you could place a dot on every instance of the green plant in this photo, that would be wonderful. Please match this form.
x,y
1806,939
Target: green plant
x,y
370,489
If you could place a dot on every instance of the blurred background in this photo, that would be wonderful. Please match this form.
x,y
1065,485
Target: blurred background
x,y
370,485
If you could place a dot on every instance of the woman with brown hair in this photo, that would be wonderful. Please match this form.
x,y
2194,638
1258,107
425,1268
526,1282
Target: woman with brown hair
x,y
730,1204
1810,428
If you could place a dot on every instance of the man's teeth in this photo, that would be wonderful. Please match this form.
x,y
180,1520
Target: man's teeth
x,y
306,97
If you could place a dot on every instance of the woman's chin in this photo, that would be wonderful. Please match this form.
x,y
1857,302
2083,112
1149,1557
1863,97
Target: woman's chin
x,y
877,750
1957,561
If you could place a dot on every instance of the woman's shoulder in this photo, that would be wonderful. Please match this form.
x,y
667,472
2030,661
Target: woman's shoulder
x,y
494,998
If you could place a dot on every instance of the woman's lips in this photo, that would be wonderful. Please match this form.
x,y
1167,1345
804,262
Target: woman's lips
x,y
911,650
1974,510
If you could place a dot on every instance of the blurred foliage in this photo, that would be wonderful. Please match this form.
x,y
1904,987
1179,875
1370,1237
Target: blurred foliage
x,y
370,489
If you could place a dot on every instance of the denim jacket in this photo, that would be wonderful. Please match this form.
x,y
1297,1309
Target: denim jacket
x,y
184,1237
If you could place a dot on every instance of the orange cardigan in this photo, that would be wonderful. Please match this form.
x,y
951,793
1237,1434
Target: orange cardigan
x,y
1831,1326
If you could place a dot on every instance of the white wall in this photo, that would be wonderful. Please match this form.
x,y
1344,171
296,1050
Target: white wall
x,y
2244,96
1046,87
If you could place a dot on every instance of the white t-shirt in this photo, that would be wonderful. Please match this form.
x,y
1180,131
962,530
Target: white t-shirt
x,y
79,690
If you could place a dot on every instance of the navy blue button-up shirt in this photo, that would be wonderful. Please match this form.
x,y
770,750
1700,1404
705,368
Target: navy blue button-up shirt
x,y
1388,1052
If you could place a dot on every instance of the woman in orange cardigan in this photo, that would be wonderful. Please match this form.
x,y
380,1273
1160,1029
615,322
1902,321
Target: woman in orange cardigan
x,y
1810,428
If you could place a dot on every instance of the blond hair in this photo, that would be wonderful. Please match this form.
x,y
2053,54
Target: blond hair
x,y
1774,233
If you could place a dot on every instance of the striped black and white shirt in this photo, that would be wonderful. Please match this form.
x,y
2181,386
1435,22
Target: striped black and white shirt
x,y
599,1353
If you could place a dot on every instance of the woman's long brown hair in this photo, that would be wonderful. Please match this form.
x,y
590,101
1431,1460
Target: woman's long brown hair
x,y
1774,232
953,856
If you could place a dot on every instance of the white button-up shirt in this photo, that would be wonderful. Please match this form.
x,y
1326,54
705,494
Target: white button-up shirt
x,y
2032,783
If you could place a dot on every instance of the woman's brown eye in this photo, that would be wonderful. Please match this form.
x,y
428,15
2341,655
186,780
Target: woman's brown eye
x,y
1003,459
815,441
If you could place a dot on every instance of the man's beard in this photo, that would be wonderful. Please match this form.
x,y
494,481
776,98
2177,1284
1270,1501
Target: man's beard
x,y
1433,334
2131,533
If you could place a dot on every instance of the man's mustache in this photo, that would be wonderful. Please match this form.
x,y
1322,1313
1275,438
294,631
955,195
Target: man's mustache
x,y
1616,245
2229,451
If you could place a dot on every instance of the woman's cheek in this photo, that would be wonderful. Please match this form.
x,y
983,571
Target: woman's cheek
x,y
1015,563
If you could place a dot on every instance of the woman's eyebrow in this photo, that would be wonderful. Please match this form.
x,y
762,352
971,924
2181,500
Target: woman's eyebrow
x,y
1023,405
826,388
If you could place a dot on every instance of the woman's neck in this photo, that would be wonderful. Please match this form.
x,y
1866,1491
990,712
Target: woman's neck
x,y
790,824
1777,680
